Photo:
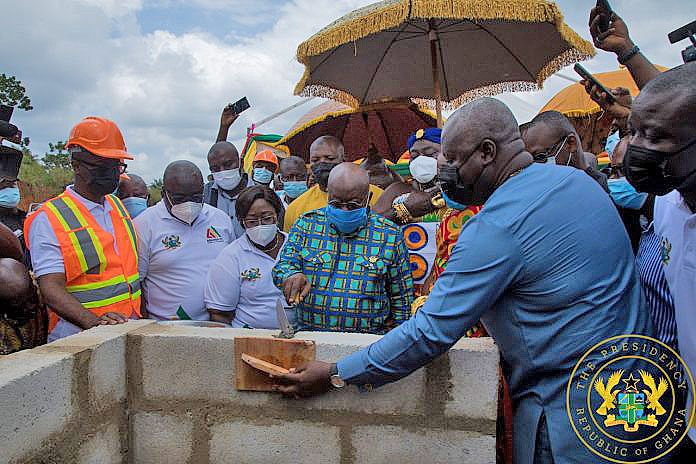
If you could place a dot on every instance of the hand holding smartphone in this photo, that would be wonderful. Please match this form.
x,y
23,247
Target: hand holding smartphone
x,y
239,106
605,15
585,74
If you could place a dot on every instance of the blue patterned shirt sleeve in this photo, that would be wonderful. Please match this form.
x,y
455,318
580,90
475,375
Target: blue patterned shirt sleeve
x,y
290,261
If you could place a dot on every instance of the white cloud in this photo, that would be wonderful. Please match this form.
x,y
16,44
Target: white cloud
x,y
89,57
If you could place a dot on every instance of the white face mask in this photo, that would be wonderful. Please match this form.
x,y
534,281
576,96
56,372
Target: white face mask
x,y
187,211
227,180
423,169
262,234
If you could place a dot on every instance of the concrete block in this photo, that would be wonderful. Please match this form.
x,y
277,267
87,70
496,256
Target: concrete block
x,y
388,444
35,399
158,438
107,373
103,447
474,384
193,366
274,442
403,397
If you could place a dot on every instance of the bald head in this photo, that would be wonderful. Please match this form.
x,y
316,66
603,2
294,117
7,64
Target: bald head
x,y
223,156
326,148
15,279
134,186
182,178
348,182
485,118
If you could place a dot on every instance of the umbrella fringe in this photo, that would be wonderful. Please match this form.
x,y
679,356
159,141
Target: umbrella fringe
x,y
391,14
312,122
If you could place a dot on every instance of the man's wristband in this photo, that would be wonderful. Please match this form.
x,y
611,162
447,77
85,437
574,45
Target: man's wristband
x,y
625,57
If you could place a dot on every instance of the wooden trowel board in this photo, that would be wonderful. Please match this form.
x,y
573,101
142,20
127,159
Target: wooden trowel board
x,y
279,351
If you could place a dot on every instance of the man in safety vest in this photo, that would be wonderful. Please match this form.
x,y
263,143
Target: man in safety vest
x,y
82,242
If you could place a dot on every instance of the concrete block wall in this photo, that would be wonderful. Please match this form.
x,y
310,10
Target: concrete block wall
x,y
65,402
445,412
147,393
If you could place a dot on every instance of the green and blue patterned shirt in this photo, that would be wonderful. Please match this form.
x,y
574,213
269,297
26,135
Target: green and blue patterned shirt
x,y
361,282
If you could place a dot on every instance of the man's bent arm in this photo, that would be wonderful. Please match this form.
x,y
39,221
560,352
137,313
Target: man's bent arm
x,y
63,303
484,263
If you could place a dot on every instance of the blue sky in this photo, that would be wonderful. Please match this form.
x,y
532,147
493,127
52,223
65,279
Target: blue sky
x,y
164,69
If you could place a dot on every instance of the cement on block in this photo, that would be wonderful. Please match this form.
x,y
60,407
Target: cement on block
x,y
474,383
193,367
107,373
35,399
403,397
275,442
159,438
388,444
103,447
98,335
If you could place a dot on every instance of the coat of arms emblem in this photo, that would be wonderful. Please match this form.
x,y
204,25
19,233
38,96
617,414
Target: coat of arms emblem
x,y
251,274
630,406
171,242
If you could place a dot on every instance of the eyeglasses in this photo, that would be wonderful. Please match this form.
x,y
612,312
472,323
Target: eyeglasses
x,y
178,198
293,178
93,166
347,205
265,220
550,152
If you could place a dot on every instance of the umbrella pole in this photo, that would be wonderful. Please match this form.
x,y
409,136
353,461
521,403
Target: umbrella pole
x,y
432,35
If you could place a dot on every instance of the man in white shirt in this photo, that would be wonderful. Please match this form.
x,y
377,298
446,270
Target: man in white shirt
x,y
661,159
179,238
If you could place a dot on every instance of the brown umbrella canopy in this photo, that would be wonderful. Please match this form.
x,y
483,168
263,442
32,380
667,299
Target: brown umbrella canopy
x,y
481,48
386,125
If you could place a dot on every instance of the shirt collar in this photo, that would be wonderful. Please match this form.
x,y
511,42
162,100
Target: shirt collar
x,y
89,204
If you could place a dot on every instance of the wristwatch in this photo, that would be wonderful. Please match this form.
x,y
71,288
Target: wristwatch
x,y
336,381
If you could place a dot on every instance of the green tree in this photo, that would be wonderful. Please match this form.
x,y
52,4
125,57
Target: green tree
x,y
13,93
155,190
57,156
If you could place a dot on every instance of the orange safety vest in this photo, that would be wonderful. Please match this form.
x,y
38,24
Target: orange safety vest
x,y
99,278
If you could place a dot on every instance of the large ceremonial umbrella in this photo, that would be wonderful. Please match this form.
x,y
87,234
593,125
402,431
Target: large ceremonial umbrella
x,y
444,52
590,121
386,125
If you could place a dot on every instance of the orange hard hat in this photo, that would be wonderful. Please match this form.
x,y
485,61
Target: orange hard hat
x,y
99,136
266,155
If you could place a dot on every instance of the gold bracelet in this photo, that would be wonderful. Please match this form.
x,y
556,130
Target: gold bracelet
x,y
402,213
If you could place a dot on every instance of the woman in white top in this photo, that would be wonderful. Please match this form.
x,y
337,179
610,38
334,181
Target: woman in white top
x,y
240,288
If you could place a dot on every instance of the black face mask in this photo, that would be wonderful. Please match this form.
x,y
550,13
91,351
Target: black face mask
x,y
645,170
321,173
451,185
103,179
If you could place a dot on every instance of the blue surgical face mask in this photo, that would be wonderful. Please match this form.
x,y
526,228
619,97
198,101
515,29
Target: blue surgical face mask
x,y
295,188
262,176
346,221
625,195
135,205
9,197
612,142
453,204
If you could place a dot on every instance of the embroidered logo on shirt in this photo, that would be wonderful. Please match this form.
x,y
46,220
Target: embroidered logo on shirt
x,y
665,250
212,235
171,242
251,274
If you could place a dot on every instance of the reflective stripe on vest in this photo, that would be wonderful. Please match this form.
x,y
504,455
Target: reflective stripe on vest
x,y
89,251
125,218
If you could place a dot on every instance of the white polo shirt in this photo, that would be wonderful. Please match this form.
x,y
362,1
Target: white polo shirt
x,y
174,258
240,280
675,224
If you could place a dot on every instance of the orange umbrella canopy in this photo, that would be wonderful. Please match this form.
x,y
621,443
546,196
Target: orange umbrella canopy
x,y
574,102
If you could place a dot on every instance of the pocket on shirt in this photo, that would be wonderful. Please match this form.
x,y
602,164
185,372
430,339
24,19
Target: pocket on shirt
x,y
314,261
372,270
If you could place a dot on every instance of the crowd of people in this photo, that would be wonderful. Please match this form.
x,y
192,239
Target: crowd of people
x,y
536,247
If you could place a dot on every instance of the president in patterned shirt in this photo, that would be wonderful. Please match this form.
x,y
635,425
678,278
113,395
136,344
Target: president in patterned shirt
x,y
346,269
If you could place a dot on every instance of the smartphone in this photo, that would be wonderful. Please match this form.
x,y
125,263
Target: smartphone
x,y
605,15
585,74
6,112
240,105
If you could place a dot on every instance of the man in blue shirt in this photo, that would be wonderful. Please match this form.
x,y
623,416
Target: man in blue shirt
x,y
525,268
